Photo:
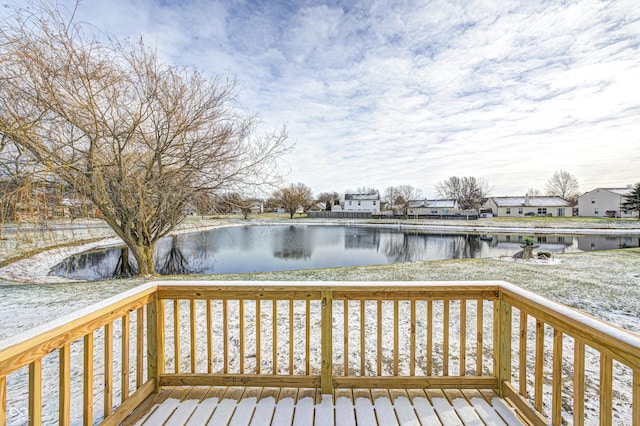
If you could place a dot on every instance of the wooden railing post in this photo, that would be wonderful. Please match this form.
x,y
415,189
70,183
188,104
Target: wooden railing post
x,y
155,341
326,336
502,343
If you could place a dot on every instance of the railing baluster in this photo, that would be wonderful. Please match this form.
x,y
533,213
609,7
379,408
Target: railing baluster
x,y
345,333
578,383
556,386
463,338
192,335
307,348
636,398
64,395
522,357
539,365
291,337
225,335
35,392
258,337
87,408
3,400
396,336
176,336
606,384
379,342
326,344
209,322
445,337
139,347
274,331
124,381
412,340
108,369
479,336
429,337
241,331
362,338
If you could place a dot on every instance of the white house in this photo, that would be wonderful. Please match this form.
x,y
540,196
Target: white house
x,y
603,202
362,203
528,206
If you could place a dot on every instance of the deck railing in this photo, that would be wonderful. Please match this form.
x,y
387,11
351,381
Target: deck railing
x,y
324,335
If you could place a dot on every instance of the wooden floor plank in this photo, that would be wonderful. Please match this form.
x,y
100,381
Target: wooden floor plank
x,y
239,406
324,411
244,411
385,413
365,415
263,413
345,414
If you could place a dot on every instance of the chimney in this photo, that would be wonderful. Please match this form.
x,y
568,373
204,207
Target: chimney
x,y
526,199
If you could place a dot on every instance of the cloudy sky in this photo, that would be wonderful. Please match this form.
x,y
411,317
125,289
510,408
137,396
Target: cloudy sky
x,y
379,93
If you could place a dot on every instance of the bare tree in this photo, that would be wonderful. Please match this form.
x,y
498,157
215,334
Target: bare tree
x,y
467,191
329,199
295,196
533,192
564,185
138,138
401,196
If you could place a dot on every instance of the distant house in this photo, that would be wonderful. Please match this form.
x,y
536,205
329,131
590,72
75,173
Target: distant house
x,y
362,203
603,202
432,207
317,206
528,206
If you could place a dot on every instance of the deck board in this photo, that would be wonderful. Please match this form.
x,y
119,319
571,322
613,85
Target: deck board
x,y
239,406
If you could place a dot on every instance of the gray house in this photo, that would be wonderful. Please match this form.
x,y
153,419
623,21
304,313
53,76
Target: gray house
x,y
528,206
603,202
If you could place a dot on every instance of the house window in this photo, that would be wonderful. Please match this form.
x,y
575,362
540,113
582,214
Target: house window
x,y
595,211
434,211
520,210
358,202
349,202
542,210
508,210
560,212
374,202
508,238
593,201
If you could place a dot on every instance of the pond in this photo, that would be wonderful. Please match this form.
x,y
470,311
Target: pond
x,y
231,250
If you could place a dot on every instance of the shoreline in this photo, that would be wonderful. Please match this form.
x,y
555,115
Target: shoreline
x,y
35,269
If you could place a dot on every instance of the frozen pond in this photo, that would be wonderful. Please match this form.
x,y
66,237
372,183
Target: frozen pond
x,y
232,250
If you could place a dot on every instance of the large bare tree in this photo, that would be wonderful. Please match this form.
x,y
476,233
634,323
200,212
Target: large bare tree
x,y
294,196
564,185
137,137
467,191
401,196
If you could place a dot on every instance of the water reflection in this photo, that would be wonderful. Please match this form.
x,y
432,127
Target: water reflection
x,y
289,247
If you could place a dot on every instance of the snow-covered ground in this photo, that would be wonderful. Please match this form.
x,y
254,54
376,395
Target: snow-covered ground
x,y
603,284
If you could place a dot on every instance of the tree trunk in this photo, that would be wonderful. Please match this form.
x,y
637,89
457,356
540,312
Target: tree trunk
x,y
144,258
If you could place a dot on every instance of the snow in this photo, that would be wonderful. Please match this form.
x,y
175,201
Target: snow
x,y
345,414
425,411
445,412
324,412
243,412
506,412
303,412
284,412
405,412
485,411
264,412
203,412
364,412
385,412
223,412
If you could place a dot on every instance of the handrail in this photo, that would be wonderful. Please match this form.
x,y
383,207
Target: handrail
x,y
327,335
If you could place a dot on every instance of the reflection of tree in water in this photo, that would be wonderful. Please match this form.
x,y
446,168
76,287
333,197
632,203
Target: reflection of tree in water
x,y
465,246
124,268
292,245
405,247
174,262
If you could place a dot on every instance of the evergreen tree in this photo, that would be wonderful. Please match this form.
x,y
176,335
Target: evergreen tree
x,y
632,201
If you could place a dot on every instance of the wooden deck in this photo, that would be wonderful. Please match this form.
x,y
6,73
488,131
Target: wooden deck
x,y
191,406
